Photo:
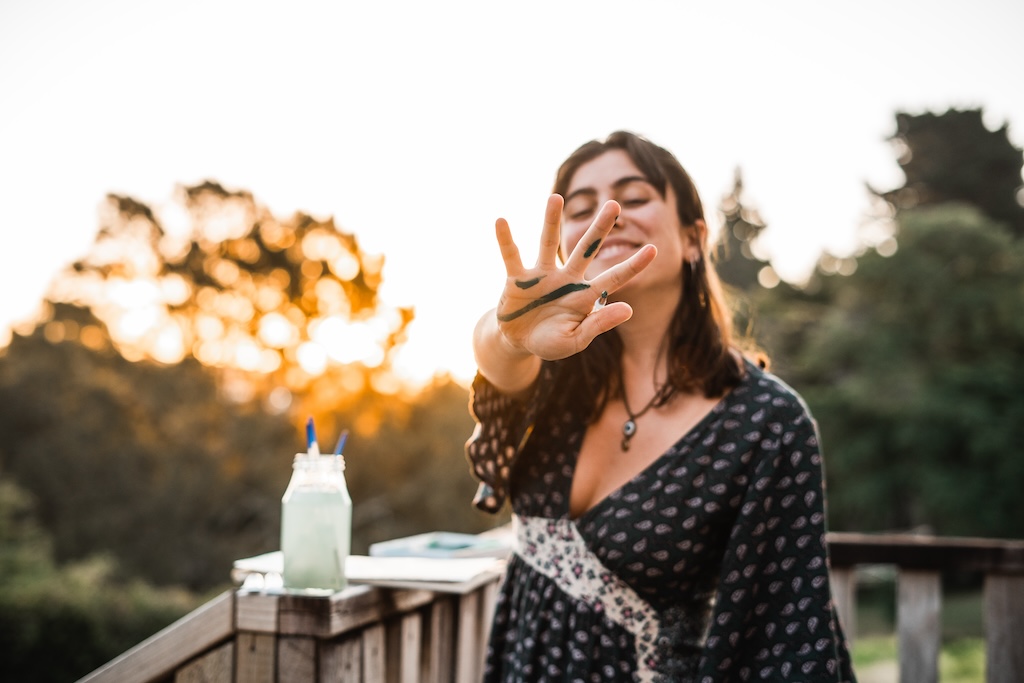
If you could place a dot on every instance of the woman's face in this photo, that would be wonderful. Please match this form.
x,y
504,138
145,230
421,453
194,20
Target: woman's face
x,y
645,218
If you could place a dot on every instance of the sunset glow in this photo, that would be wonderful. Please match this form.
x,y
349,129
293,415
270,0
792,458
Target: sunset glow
x,y
384,130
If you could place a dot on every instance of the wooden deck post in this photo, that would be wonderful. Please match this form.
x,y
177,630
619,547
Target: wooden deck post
x,y
917,622
844,594
1004,628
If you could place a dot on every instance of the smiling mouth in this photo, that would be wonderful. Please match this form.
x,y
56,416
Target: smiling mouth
x,y
617,250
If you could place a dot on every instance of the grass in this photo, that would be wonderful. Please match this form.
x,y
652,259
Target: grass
x,y
960,661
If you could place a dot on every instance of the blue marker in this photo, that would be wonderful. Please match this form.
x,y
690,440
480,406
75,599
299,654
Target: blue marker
x,y
312,447
341,442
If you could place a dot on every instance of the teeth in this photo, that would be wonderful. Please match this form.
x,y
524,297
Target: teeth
x,y
616,251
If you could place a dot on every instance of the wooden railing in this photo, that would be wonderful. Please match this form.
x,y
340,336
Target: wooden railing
x,y
921,561
361,634
370,634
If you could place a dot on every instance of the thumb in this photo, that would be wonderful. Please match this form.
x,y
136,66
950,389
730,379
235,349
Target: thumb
x,y
602,320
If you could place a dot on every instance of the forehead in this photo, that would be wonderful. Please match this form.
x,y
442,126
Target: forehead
x,y
603,171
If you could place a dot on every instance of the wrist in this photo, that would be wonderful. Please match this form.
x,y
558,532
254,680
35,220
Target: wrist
x,y
514,351
509,366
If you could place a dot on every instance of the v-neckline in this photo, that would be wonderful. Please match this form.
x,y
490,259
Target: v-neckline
x,y
716,410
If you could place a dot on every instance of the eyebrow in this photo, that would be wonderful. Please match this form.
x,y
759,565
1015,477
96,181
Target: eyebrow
x,y
615,186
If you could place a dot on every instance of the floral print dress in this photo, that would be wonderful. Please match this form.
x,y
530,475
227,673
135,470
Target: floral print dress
x,y
709,565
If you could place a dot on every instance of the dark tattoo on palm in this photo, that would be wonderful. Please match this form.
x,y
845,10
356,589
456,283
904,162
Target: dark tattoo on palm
x,y
547,298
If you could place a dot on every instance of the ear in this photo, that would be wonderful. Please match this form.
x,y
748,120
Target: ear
x,y
696,239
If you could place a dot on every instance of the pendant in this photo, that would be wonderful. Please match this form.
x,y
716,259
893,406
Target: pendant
x,y
628,430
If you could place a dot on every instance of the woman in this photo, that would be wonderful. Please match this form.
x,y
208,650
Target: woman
x,y
667,493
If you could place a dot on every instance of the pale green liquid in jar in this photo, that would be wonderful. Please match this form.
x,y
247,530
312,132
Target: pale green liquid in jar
x,y
315,538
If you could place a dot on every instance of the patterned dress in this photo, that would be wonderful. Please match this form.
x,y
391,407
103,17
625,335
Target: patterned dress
x,y
709,565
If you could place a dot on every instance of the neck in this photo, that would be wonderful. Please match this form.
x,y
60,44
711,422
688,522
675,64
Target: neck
x,y
645,345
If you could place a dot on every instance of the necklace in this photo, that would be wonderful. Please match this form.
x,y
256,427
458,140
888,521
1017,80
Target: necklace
x,y
629,426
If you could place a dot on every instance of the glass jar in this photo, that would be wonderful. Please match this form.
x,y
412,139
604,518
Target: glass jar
x,y
316,523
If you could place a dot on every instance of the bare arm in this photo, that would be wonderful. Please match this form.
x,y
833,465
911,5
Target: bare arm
x,y
546,312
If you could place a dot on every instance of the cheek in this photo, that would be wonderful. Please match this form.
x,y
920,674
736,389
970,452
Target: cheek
x,y
570,237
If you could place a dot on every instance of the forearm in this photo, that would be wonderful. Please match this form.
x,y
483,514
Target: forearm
x,y
511,370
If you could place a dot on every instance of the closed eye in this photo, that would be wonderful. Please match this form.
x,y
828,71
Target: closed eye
x,y
640,201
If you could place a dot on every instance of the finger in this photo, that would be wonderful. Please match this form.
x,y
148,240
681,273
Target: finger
x,y
550,234
509,250
619,274
586,249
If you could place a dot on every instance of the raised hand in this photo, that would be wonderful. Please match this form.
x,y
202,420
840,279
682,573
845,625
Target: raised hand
x,y
548,311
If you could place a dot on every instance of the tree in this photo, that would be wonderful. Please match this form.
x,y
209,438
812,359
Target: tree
x,y
80,609
909,360
137,459
738,266
914,372
268,303
953,157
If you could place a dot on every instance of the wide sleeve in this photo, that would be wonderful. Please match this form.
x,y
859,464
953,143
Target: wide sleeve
x,y
773,617
503,426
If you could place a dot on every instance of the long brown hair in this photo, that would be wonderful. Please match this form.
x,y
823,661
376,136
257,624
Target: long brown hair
x,y
702,356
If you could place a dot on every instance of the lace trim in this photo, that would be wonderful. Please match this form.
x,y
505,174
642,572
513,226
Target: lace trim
x,y
555,549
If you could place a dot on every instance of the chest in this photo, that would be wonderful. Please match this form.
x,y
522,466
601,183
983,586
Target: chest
x,y
663,531
616,448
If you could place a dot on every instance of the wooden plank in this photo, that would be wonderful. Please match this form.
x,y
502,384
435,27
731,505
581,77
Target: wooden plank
x,y
919,551
919,596
380,604
348,610
844,595
340,660
411,648
374,654
213,667
256,657
162,653
440,638
467,653
1004,626
301,615
488,602
296,658
393,650
256,612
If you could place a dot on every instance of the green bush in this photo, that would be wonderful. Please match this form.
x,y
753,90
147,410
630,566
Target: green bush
x,y
59,623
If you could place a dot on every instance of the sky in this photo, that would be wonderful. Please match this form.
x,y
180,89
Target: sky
x,y
417,124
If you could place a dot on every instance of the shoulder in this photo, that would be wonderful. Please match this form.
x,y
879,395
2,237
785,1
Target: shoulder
x,y
763,391
786,434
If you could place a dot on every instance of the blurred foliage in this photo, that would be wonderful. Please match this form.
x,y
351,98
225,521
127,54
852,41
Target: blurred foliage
x,y
139,460
911,352
59,623
913,368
